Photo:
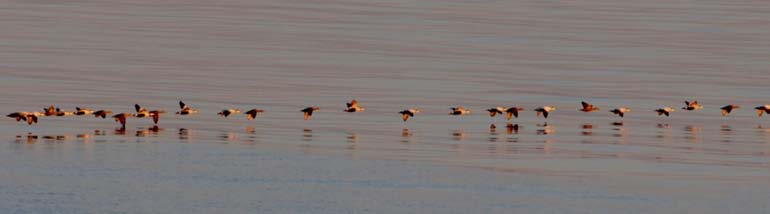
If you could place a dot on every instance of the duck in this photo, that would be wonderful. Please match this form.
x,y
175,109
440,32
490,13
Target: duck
x,y
228,112
762,109
60,113
83,111
405,114
251,114
353,106
29,117
140,112
102,113
495,111
544,110
588,107
664,110
513,111
728,108
620,111
185,110
121,118
50,111
155,114
459,110
309,111
692,106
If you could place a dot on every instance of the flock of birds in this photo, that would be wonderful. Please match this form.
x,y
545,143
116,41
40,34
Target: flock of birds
x,y
352,106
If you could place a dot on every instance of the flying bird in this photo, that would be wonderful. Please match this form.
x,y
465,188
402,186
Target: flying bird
x,y
185,110
512,111
309,111
588,107
29,117
405,114
102,113
691,106
353,106
251,114
544,110
50,111
496,110
664,110
762,109
83,111
728,108
228,112
121,118
620,111
459,110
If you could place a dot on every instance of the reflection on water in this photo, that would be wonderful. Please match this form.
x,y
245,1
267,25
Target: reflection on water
x,y
621,131
458,135
726,132
587,129
151,131
406,136
511,128
692,133
307,134
227,136
545,129
664,131
184,134
492,133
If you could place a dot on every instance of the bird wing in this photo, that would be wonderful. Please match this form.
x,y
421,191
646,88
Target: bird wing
x,y
585,105
545,114
155,117
404,117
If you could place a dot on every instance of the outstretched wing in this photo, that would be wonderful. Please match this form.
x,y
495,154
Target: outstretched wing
x,y
545,114
155,117
585,105
182,105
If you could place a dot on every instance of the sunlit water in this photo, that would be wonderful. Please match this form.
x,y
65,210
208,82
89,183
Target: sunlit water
x,y
391,55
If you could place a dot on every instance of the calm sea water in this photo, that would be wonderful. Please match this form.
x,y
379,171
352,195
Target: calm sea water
x,y
390,55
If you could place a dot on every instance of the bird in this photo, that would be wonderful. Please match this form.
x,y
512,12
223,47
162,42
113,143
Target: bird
x,y
459,110
50,111
155,114
83,111
692,106
353,106
513,111
228,112
185,110
141,112
309,111
60,113
762,109
728,108
29,117
620,111
102,113
405,114
496,110
588,107
664,110
121,118
544,110
251,114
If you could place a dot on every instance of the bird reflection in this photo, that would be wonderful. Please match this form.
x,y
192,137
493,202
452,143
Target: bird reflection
x,y
352,137
664,132
119,131
621,131
307,135
511,129
151,131
492,133
545,129
693,132
458,135
406,136
184,134
587,129
29,138
228,136
726,132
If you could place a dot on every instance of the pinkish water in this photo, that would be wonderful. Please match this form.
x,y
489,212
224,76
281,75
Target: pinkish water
x,y
390,55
